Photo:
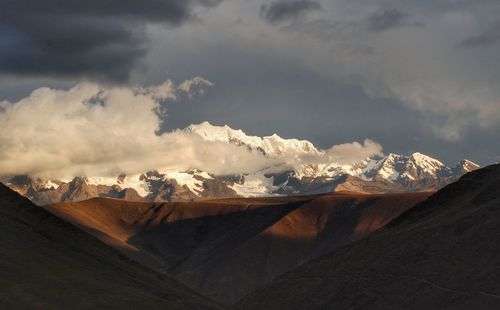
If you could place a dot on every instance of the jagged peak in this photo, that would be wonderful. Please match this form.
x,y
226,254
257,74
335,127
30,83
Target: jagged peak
x,y
206,126
421,156
467,162
394,156
270,145
466,165
224,133
277,137
416,157
426,161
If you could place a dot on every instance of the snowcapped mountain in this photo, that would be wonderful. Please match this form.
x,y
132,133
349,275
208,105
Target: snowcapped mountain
x,y
270,145
464,166
398,167
391,173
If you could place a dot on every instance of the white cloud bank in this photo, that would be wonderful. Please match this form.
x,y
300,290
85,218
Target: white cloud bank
x,y
100,131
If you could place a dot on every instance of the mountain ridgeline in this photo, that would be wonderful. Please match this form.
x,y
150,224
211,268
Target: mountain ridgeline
x,y
391,173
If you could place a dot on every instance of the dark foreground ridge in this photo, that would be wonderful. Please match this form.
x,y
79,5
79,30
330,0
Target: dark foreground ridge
x,y
46,263
442,254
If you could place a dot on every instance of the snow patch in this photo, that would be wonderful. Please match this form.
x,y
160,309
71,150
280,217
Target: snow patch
x,y
135,182
51,185
183,178
101,181
255,185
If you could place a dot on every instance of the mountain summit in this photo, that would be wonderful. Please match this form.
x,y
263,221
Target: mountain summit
x,y
272,145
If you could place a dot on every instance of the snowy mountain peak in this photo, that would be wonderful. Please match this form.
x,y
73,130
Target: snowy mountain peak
x,y
224,133
465,166
426,163
269,145
393,156
401,168
276,145
468,163
419,157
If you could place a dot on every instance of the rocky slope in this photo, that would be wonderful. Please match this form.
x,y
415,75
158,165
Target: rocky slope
x,y
442,254
46,263
226,248
391,173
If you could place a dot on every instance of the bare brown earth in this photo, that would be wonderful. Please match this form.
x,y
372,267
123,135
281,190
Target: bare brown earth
x,y
443,253
227,248
46,263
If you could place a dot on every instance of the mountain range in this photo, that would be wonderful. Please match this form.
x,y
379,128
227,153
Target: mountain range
x,y
376,174
342,250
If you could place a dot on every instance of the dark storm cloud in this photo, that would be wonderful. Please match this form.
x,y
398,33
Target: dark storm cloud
x,y
387,18
170,11
97,39
488,37
89,47
283,10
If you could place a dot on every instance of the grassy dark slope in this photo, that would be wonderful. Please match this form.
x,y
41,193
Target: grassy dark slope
x,y
442,254
48,264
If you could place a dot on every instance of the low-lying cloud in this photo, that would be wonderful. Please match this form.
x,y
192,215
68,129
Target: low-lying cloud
x,y
97,130
348,153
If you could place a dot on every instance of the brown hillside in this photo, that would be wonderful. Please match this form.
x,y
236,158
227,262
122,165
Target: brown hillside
x,y
227,248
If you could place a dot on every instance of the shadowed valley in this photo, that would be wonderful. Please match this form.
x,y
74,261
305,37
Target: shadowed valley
x,y
227,248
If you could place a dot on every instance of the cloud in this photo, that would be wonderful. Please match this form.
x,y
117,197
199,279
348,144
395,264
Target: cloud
x,y
453,91
486,38
349,153
387,18
195,86
97,130
169,11
100,40
285,10
343,154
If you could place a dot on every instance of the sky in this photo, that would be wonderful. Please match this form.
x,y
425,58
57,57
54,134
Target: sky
x,y
416,75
